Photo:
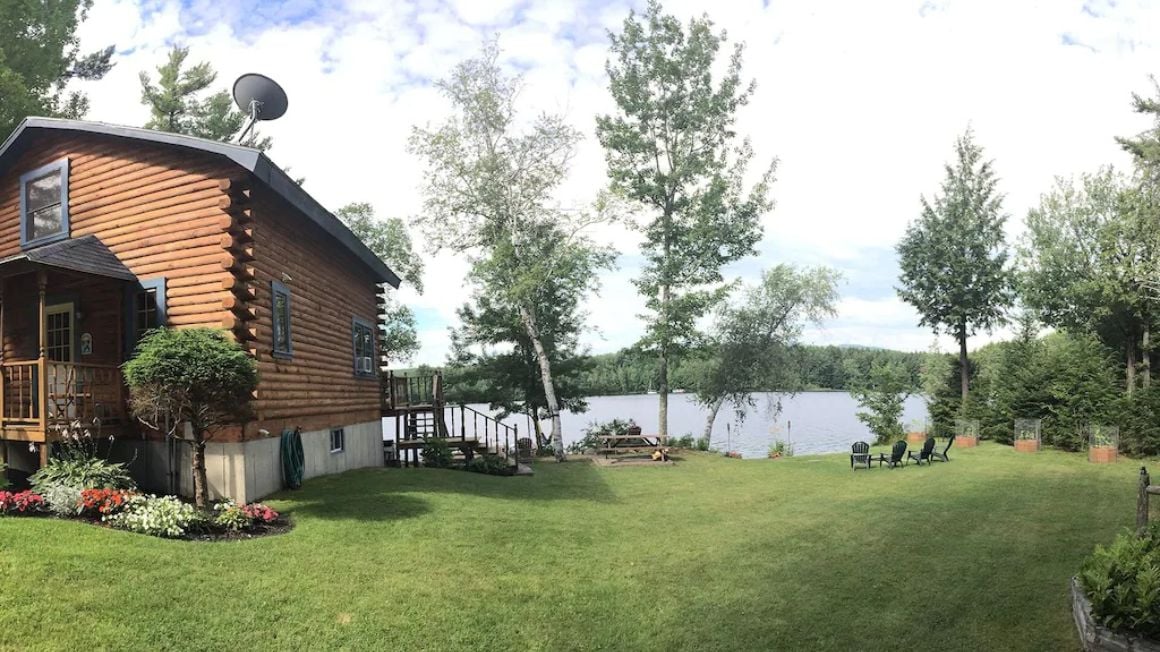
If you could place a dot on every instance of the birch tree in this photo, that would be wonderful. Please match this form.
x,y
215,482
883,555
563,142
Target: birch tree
x,y
490,186
751,341
673,151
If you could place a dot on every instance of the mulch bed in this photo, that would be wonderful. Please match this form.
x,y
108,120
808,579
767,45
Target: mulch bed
x,y
280,526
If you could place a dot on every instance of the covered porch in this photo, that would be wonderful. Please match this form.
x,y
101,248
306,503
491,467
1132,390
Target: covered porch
x,y
68,313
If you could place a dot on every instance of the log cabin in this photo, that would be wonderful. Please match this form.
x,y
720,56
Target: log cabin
x,y
107,231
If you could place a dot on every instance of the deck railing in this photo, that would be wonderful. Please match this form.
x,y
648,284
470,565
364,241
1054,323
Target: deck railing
x,y
46,395
411,391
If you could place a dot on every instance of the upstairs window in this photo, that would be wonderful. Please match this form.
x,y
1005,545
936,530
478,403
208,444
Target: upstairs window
x,y
363,335
44,204
283,345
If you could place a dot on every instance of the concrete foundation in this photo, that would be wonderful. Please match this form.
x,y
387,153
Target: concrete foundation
x,y
251,470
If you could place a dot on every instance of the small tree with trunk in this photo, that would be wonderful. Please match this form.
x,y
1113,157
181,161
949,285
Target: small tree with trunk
x,y
954,257
882,394
195,376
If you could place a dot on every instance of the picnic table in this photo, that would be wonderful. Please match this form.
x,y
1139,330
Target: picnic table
x,y
610,444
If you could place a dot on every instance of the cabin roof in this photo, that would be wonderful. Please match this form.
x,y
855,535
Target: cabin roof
x,y
248,158
85,254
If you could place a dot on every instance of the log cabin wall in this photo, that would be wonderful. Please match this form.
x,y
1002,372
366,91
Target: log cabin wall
x,y
155,206
316,388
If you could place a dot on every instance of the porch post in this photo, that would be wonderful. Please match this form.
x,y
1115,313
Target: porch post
x,y
42,380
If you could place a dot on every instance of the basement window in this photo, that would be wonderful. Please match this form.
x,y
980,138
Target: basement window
x,y
44,205
337,440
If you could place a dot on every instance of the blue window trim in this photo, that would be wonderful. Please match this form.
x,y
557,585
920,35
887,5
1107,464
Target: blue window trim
x,y
277,288
130,309
354,324
62,168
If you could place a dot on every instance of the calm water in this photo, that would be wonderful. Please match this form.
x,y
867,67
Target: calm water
x,y
814,422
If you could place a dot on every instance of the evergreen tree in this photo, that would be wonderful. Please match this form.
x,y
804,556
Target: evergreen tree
x,y
176,104
39,56
954,258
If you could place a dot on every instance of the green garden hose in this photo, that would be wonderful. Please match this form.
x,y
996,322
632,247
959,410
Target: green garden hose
x,y
293,459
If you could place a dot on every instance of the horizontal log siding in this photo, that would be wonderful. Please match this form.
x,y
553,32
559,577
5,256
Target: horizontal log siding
x,y
155,207
317,388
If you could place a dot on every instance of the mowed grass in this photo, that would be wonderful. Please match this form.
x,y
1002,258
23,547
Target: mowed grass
x,y
798,554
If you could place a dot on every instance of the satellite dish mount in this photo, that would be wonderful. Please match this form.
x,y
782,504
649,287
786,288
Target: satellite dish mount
x,y
260,98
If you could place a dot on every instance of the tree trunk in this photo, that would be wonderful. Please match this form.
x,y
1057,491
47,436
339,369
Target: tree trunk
x,y
964,366
1130,370
713,410
200,482
540,440
1146,357
553,405
663,370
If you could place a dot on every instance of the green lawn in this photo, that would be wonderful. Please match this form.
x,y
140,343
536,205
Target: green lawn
x,y
709,554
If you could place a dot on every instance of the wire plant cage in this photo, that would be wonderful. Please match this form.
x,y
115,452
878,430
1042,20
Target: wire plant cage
x,y
1028,434
966,433
1103,443
916,431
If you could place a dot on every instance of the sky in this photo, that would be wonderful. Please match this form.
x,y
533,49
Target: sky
x,y
859,102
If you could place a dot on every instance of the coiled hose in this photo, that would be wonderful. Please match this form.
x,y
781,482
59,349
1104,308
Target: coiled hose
x,y
293,458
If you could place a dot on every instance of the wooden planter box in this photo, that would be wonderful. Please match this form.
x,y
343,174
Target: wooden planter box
x,y
1102,454
915,437
966,442
1027,445
1097,638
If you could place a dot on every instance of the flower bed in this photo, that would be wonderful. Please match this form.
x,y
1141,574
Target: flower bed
x,y
160,516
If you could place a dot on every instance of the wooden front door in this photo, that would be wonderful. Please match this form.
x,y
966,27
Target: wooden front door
x,y
61,322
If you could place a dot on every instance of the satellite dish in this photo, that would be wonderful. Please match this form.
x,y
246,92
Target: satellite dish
x,y
259,97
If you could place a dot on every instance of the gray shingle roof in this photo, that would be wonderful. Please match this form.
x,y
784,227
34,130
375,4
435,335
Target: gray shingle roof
x,y
85,254
250,159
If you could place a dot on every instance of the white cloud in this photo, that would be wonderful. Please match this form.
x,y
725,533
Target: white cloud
x,y
860,101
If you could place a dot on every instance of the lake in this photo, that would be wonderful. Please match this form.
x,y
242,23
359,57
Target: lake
x,y
814,422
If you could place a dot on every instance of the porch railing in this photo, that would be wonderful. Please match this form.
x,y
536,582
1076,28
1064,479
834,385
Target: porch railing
x,y
42,394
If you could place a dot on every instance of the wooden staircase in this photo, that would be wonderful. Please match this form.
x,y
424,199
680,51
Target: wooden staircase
x,y
421,414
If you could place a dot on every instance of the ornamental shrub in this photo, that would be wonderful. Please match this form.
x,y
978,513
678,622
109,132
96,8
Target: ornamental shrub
x,y
490,464
1122,581
437,454
22,503
77,461
164,516
197,376
62,499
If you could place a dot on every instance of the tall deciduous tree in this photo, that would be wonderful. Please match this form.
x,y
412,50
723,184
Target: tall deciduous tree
x,y
493,349
672,150
176,103
390,241
1086,260
39,56
750,342
490,190
954,257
